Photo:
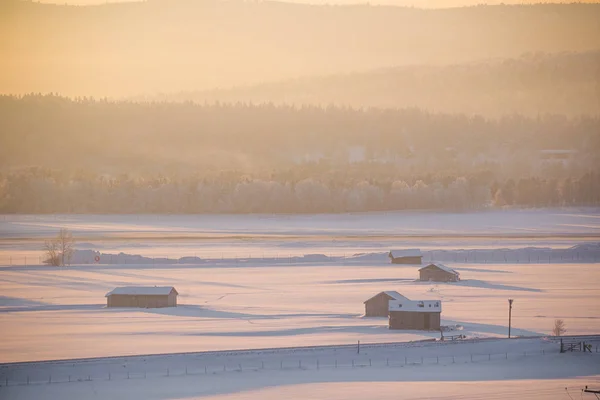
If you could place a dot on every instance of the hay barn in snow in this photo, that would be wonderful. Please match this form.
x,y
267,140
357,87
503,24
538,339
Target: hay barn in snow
x,y
422,315
142,297
378,305
408,256
438,273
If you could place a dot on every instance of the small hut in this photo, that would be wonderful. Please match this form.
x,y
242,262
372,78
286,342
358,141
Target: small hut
x,y
423,315
378,305
438,273
142,297
408,256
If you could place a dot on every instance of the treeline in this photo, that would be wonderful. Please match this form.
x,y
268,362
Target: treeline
x,y
41,191
183,139
149,47
533,84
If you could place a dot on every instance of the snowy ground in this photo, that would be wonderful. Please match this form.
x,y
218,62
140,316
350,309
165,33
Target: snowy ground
x,y
499,369
249,293
258,236
233,307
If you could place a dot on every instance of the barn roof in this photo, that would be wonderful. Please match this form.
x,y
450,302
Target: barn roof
x,y
391,293
442,267
143,291
407,253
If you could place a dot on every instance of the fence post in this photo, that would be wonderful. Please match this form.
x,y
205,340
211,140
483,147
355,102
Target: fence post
x,y
27,380
353,363
387,362
50,379
262,365
452,359
507,356
336,362
299,364
317,363
109,376
471,357
240,365
205,370
69,378
127,374
186,370
437,359
144,374
370,365
489,357
281,365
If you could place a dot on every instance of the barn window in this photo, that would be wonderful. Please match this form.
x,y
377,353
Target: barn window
x,y
437,304
421,304
430,305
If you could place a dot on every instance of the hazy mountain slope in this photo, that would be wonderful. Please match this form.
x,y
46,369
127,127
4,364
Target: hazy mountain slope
x,y
565,83
166,46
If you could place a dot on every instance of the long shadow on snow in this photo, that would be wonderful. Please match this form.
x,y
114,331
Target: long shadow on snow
x,y
480,284
275,333
373,280
196,311
53,307
489,328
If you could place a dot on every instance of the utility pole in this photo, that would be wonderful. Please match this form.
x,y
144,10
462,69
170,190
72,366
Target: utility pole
x,y
510,303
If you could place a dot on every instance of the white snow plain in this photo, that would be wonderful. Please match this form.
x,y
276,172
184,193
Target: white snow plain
x,y
240,303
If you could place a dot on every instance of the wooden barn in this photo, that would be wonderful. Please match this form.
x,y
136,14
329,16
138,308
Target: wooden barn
x,y
421,315
408,256
378,305
438,273
142,297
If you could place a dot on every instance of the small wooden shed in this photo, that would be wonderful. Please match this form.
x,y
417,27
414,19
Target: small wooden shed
x,y
438,273
142,297
407,256
422,315
377,306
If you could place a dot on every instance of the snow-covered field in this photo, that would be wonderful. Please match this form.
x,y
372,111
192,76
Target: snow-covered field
x,y
249,293
255,306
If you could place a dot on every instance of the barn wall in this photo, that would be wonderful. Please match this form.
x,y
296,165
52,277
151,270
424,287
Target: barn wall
x,y
378,306
142,301
408,320
436,275
406,260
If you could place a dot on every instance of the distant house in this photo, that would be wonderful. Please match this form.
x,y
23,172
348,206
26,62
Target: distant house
x,y
142,297
438,273
408,256
424,315
377,306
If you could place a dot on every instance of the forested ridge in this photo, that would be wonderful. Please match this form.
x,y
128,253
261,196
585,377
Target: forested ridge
x,y
100,156
565,83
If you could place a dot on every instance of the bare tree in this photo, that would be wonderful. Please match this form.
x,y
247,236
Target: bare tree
x,y
59,250
559,327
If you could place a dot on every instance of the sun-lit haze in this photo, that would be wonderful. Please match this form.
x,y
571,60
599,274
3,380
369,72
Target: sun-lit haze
x,y
345,199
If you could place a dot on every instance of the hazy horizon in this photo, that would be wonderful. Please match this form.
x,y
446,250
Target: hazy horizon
x,y
401,3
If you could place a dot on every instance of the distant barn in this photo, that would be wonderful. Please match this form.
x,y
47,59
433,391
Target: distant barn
x,y
438,273
422,315
377,306
408,256
142,297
